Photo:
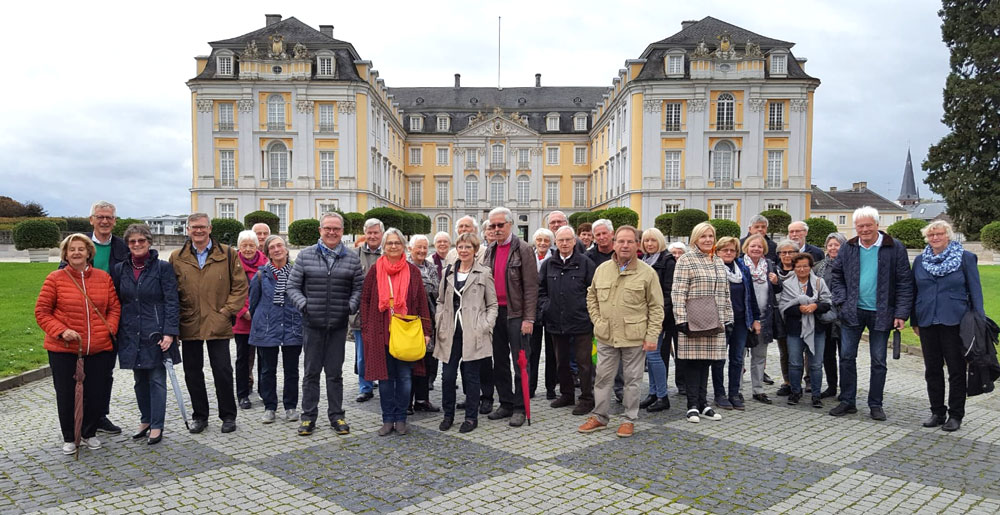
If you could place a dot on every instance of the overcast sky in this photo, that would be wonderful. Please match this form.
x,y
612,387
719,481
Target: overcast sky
x,y
97,107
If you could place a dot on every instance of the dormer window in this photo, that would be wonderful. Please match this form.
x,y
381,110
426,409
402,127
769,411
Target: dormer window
x,y
673,63
580,122
778,61
416,123
552,122
443,123
325,65
224,65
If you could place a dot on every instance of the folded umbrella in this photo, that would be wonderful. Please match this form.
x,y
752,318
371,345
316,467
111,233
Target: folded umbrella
x,y
168,363
522,363
78,399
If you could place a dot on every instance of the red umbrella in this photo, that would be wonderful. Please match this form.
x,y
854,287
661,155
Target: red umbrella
x,y
522,362
78,399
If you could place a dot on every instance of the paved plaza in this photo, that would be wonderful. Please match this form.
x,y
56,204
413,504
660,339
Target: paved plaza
x,y
769,459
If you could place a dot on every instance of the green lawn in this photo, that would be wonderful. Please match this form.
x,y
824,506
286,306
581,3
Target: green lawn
x,y
20,338
990,277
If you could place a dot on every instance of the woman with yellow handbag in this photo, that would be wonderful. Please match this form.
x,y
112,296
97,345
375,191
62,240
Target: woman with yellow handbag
x,y
396,331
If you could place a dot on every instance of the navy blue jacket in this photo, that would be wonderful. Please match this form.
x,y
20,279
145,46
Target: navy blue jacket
x,y
749,299
149,305
894,293
815,252
944,300
326,290
664,268
272,325
562,294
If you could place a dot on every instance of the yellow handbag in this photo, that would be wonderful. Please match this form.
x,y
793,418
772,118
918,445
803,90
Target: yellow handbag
x,y
406,334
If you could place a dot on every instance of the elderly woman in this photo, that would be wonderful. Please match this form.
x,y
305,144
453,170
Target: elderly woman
x,y
464,318
251,259
654,247
700,278
677,249
147,291
804,297
543,251
832,348
586,233
275,324
746,319
787,249
78,311
764,295
392,285
420,396
946,286
442,244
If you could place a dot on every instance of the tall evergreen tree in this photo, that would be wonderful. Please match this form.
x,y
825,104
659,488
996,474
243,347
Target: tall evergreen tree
x,y
964,167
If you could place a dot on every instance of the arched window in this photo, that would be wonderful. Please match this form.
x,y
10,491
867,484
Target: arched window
x,y
442,224
276,113
724,112
523,189
498,186
471,189
722,164
277,160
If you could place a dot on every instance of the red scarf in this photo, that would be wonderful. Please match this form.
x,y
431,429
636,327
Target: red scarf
x,y
399,274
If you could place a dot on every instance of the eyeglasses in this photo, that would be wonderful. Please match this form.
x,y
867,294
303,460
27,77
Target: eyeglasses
x,y
332,229
393,244
140,241
786,252
500,225
197,227
725,250
104,218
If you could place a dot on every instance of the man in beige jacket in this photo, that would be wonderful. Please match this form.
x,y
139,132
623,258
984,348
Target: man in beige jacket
x,y
625,302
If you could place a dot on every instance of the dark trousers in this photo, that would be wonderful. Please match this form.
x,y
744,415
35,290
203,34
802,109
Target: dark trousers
x,y
470,376
783,358
508,342
568,347
551,374
268,376
222,375
679,381
95,384
830,353
696,381
422,384
243,356
323,352
942,345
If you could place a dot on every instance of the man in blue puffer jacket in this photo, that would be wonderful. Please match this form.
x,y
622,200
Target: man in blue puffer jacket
x,y
325,285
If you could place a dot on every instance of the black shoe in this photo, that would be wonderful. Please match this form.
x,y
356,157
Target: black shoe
x,y
500,413
468,425
106,426
244,403
794,398
784,391
425,406
153,440
723,402
550,395
563,401
762,397
651,398
808,387
681,392
737,403
659,405
934,421
485,407
460,405
877,413
952,424
829,392
817,403
198,426
145,432
365,397
619,396
767,380
446,423
843,409
409,409
228,426
583,407
341,427
517,419
307,427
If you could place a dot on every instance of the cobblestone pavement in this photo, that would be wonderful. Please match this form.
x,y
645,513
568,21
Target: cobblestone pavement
x,y
768,459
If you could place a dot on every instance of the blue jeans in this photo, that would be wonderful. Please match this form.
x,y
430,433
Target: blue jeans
x,y
850,337
737,344
394,393
796,346
364,385
267,381
151,394
657,371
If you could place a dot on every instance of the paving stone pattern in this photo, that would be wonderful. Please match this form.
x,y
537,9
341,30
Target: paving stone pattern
x,y
768,459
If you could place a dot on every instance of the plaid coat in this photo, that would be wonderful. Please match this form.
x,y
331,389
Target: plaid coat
x,y
696,275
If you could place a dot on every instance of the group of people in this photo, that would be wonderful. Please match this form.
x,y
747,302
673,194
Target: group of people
x,y
604,304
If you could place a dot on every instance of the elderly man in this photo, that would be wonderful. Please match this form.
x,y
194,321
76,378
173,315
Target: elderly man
x,y
464,225
325,285
368,253
212,287
758,225
515,276
603,241
625,302
797,232
262,230
555,220
871,287
562,298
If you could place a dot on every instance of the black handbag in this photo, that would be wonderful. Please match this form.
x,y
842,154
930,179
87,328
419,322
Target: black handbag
x,y
753,339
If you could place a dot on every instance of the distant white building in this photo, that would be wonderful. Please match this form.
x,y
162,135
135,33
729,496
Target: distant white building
x,y
166,224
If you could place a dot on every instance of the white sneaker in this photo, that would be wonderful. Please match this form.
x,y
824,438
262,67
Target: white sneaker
x,y
92,443
710,414
268,417
692,416
291,415
68,448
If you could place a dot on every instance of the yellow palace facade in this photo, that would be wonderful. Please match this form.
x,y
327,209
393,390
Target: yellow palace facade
x,y
291,120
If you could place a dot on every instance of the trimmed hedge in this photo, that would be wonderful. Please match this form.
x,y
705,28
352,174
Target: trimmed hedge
x,y
777,221
574,219
388,216
422,224
121,224
725,228
685,220
78,224
256,217
908,232
8,223
226,230
819,229
665,223
990,236
36,234
354,223
304,231
620,216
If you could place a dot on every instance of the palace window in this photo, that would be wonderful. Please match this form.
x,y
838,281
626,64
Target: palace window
x,y
443,123
442,156
416,123
225,116
523,189
326,118
724,112
416,194
552,194
325,66
442,223
326,169
523,158
722,165
442,193
496,156
579,194
552,122
580,122
471,189
675,65
672,110
579,155
227,210
498,188
227,168
552,155
722,211
776,116
275,113
280,209
774,165
471,158
416,156
225,65
778,64
277,155
672,169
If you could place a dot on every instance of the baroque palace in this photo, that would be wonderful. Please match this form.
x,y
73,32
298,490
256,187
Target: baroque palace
x,y
291,120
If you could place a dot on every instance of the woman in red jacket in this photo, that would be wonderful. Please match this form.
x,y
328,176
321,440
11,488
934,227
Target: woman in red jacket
x,y
252,259
69,310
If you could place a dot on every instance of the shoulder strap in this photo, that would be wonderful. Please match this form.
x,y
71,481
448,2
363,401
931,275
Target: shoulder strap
x,y
78,287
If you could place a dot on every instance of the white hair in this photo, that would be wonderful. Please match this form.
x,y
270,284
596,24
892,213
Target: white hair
x,y
418,237
677,245
938,224
786,243
324,216
475,223
372,222
102,204
393,230
246,235
549,216
804,225
865,212
605,222
543,232
507,215
565,228
442,234
759,219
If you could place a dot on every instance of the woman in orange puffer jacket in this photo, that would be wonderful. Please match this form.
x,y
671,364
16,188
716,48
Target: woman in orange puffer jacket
x,y
72,326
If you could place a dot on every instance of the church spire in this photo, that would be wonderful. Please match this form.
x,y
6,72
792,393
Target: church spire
x,y
908,194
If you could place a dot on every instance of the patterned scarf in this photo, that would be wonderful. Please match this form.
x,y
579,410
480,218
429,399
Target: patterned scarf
x,y
944,263
734,273
759,271
281,280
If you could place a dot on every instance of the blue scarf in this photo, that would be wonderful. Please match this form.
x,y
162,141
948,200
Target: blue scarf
x,y
944,263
